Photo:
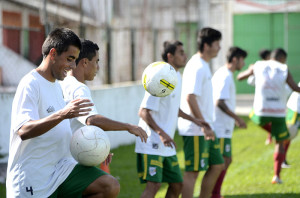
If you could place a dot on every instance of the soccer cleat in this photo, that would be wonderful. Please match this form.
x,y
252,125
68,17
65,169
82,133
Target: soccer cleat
x,y
285,165
276,180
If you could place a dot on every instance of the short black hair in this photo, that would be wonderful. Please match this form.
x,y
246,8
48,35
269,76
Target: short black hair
x,y
88,50
207,35
264,53
169,47
278,54
60,39
235,52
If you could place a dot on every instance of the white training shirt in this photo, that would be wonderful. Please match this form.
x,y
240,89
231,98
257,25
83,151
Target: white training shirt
x,y
294,101
196,80
73,89
164,111
37,166
270,81
224,89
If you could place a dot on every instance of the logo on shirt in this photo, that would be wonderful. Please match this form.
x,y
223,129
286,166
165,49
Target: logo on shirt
x,y
152,171
227,131
155,146
50,109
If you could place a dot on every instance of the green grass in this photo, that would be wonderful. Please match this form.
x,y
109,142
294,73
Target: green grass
x,y
248,176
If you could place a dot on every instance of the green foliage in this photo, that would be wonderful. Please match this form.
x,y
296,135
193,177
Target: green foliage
x,y
249,176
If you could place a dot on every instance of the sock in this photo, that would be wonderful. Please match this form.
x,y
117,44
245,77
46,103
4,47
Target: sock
x,y
278,159
216,193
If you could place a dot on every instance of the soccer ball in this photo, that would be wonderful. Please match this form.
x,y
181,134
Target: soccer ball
x,y
293,129
159,79
90,145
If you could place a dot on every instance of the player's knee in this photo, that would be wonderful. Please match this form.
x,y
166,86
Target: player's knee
x,y
113,188
109,186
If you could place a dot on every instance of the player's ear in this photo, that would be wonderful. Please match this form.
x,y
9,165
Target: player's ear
x,y
52,53
85,62
169,56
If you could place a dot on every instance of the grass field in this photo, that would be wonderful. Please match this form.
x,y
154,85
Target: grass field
x,y
249,176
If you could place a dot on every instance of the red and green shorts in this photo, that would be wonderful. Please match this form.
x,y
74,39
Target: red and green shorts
x,y
278,125
199,153
156,168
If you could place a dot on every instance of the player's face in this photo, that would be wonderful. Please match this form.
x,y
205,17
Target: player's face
x,y
64,62
214,49
92,67
240,63
179,58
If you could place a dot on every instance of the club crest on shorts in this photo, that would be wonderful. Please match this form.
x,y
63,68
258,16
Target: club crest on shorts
x,y
152,171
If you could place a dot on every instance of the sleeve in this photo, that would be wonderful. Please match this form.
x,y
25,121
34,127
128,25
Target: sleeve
x,y
84,92
222,90
194,82
25,107
150,102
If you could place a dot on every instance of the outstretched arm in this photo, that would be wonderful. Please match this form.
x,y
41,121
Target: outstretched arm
x,y
238,121
34,128
111,125
145,114
290,81
245,74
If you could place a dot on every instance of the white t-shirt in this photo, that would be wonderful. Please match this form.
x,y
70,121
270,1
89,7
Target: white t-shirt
x,y
270,81
73,89
37,166
196,80
224,89
164,111
294,101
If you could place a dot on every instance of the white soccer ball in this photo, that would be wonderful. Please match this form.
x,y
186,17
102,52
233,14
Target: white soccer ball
x,y
90,145
293,129
159,79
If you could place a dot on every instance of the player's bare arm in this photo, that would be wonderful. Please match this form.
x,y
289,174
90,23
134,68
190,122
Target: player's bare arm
x,y
290,81
197,121
34,128
165,138
111,125
238,121
192,101
245,74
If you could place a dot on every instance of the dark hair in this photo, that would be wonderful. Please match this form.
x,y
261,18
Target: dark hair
x,y
278,54
169,47
235,52
88,50
60,39
264,53
207,35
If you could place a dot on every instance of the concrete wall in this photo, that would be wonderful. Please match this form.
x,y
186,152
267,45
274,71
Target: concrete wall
x,y
118,102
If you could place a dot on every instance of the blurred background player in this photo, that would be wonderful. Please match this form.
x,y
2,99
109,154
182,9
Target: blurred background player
x,y
269,104
201,148
224,101
73,87
156,160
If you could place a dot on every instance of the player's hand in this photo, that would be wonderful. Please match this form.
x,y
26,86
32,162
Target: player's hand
x,y
208,133
76,108
108,159
201,123
241,123
138,131
167,140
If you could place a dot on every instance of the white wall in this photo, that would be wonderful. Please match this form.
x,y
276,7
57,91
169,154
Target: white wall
x,y
119,102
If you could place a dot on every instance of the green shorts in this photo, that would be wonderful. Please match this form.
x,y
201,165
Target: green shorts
x,y
158,169
78,180
199,153
225,146
292,117
278,129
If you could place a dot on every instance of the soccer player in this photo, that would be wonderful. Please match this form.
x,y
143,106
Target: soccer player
x,y
269,104
201,152
156,160
40,163
73,88
224,101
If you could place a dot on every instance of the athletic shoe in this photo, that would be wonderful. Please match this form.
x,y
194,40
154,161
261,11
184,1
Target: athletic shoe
x,y
276,180
285,165
268,141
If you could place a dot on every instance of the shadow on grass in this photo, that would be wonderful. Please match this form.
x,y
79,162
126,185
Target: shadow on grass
x,y
265,195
